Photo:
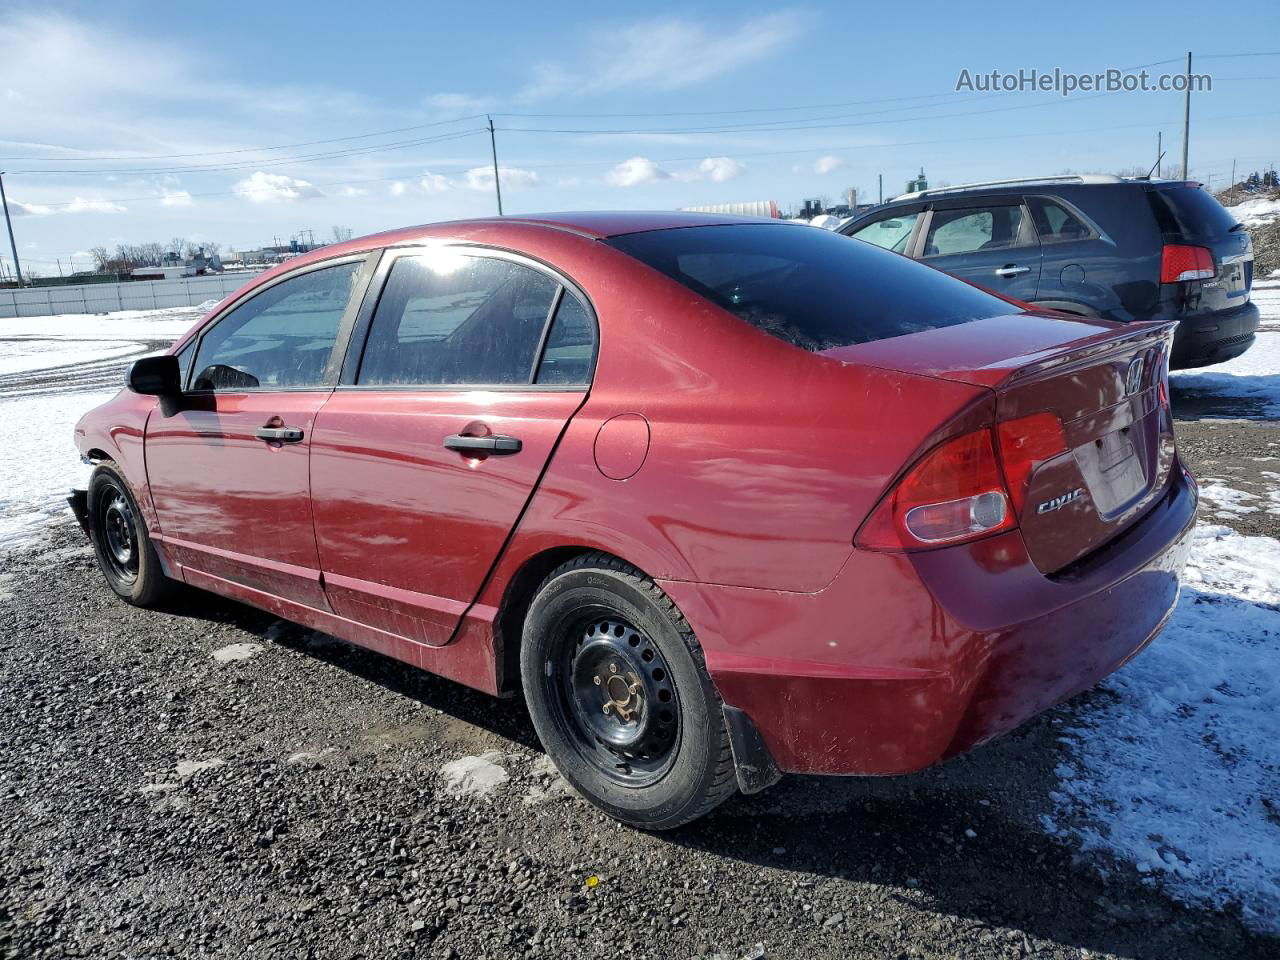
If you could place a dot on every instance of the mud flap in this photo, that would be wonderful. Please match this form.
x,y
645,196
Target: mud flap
x,y
79,503
751,758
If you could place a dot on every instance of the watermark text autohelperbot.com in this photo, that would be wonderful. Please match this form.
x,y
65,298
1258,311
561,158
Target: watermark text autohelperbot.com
x,y
1066,83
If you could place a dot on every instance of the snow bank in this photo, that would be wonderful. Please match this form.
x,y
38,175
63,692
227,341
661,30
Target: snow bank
x,y
1178,769
1256,212
36,416
41,464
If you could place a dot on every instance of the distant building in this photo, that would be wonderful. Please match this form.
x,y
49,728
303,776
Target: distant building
x,y
755,208
919,183
163,272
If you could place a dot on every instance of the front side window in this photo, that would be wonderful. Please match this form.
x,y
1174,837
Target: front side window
x,y
282,338
814,289
891,234
968,231
451,318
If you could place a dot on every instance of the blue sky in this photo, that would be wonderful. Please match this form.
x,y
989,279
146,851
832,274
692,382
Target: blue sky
x,y
802,101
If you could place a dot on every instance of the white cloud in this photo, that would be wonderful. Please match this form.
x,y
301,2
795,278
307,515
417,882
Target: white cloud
x,y
87,205
352,191
827,164
721,169
513,178
20,209
262,187
664,54
174,198
435,183
457,101
398,188
633,172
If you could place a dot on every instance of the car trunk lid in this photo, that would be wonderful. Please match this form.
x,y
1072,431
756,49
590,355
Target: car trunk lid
x,y
1106,385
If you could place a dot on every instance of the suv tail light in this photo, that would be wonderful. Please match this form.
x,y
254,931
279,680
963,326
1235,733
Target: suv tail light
x,y
961,490
954,493
1180,262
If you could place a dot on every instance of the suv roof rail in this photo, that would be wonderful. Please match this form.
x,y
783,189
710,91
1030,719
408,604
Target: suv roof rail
x,y
1066,178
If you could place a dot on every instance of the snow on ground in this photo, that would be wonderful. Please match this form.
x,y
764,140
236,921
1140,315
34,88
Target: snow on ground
x,y
52,370
1176,767
1256,212
1256,373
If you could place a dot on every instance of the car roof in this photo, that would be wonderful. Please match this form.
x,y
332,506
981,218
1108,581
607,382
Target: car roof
x,y
588,224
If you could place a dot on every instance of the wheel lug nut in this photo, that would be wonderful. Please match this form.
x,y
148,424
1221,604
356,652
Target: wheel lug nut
x,y
597,680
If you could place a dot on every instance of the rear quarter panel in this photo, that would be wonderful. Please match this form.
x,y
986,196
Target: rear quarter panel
x,y
762,458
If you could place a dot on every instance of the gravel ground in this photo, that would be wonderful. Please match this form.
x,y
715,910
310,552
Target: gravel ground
x,y
211,781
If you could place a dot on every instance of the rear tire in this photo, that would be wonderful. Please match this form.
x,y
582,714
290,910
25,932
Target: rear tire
x,y
620,697
126,556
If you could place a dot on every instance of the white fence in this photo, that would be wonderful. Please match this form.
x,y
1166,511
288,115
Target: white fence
x,y
106,297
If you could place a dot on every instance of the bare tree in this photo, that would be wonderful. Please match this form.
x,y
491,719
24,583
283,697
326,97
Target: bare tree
x,y
100,258
341,234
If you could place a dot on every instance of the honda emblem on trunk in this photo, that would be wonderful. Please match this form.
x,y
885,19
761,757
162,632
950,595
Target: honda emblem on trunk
x,y
1133,377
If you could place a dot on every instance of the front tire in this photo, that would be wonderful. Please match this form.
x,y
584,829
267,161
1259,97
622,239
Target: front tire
x,y
126,556
620,697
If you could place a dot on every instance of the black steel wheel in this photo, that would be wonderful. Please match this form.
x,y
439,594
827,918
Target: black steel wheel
x,y
620,697
126,556
616,700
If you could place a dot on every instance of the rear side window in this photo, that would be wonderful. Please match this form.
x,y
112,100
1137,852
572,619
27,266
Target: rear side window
x,y
281,338
812,288
1189,213
570,349
892,233
1054,222
968,231
450,318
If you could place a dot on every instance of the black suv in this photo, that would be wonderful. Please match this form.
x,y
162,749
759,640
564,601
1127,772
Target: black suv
x,y
1100,246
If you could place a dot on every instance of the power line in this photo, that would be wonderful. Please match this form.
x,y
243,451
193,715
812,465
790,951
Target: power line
x,y
551,165
254,164
219,153
773,125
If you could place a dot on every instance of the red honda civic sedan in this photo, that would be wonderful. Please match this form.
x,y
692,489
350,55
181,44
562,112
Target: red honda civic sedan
x,y
722,498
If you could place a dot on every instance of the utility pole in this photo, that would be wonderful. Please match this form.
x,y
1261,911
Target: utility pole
x,y
1233,176
4,201
1186,118
493,145
1159,151
880,177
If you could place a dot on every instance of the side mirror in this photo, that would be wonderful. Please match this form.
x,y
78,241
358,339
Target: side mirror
x,y
156,376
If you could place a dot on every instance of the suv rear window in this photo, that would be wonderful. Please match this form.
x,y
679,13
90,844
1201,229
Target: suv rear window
x,y
812,288
1190,213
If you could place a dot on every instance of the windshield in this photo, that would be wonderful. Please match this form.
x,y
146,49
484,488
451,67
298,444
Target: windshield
x,y
813,288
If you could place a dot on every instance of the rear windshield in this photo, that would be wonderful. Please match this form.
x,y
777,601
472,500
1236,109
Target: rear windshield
x,y
810,287
1190,213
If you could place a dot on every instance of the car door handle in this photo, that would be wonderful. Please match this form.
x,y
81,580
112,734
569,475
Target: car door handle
x,y
1011,270
498,446
279,434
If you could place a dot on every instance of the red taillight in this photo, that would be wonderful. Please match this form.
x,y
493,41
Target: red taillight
x,y
1026,443
953,494
1181,262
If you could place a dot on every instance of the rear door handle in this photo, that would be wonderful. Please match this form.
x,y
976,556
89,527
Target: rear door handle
x,y
1011,271
279,434
498,446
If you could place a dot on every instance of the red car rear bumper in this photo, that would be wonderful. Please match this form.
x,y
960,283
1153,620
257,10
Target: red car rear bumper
x,y
905,660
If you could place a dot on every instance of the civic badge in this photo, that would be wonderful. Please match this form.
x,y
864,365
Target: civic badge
x,y
1058,502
